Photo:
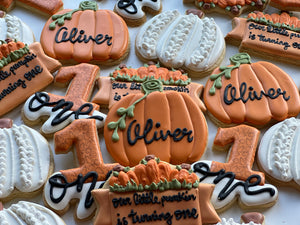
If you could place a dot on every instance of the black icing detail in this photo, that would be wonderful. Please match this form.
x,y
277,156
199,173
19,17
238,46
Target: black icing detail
x,y
129,5
252,181
64,106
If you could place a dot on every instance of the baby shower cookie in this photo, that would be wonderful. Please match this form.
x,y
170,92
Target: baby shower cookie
x,y
23,71
156,192
13,28
57,112
229,7
126,80
175,41
75,185
134,12
39,6
254,93
86,34
26,161
235,180
289,5
28,213
275,36
278,153
134,126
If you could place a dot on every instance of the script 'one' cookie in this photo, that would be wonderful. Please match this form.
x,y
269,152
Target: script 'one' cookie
x,y
155,122
26,161
181,41
275,36
229,7
156,192
289,5
12,27
278,153
254,93
134,11
28,213
86,34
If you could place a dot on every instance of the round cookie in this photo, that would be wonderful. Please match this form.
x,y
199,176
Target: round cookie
x,y
86,35
175,41
28,213
13,28
254,93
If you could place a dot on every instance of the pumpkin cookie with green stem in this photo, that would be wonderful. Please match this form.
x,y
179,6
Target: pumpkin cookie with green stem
x,y
254,93
157,122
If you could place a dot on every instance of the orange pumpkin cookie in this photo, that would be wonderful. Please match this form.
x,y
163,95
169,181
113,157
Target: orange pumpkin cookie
x,y
254,93
75,184
275,36
134,126
235,180
23,71
289,5
154,191
40,6
229,7
86,35
124,81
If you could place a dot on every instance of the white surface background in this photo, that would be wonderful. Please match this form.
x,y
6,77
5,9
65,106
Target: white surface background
x,y
285,211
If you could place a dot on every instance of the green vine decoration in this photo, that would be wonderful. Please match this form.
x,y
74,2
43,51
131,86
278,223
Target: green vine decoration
x,y
236,61
148,87
60,19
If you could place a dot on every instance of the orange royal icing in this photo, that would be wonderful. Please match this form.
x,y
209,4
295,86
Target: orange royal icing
x,y
286,4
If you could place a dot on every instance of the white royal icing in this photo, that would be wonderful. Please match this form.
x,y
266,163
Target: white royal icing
x,y
181,41
231,222
133,9
47,127
239,192
24,160
71,194
278,151
12,27
28,213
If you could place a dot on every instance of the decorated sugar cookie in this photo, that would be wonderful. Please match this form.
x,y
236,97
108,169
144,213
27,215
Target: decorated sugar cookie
x,y
26,161
13,28
230,7
246,92
278,153
66,186
86,34
235,179
156,192
60,111
155,122
125,80
275,36
133,11
28,213
23,71
175,41
250,218
289,5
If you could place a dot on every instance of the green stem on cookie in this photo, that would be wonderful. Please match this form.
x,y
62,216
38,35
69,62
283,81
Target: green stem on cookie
x,y
236,60
59,19
148,87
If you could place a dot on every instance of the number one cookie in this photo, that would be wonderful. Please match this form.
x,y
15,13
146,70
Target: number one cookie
x,y
241,156
83,134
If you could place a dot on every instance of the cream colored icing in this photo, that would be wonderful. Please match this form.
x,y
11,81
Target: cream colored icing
x,y
251,201
47,127
154,5
28,213
24,160
12,27
181,41
71,194
278,153
232,222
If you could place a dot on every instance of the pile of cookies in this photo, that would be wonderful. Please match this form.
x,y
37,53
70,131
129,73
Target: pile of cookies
x,y
145,111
